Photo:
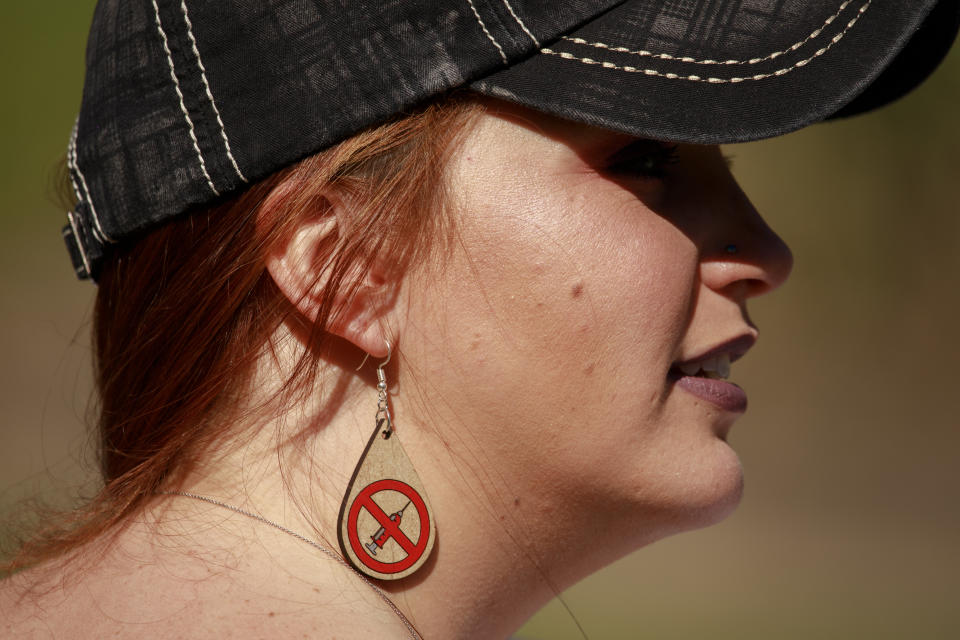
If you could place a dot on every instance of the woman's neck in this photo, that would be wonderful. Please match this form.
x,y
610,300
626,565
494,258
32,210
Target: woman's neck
x,y
480,582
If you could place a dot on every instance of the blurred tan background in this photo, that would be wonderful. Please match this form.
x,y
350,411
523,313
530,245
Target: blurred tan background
x,y
850,526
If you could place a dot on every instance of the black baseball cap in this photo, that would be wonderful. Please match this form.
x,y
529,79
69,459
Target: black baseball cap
x,y
186,101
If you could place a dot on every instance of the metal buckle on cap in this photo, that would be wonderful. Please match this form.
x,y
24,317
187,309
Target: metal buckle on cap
x,y
74,238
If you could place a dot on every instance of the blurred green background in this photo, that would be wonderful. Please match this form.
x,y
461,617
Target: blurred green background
x,y
850,525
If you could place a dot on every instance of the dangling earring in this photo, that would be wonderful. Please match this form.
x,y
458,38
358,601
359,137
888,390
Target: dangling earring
x,y
386,527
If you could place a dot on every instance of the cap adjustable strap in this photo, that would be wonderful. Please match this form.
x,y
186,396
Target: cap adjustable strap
x,y
84,248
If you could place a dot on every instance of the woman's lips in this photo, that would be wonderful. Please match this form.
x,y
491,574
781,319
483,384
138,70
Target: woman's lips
x,y
723,394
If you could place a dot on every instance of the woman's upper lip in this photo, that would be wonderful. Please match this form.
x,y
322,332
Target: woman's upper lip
x,y
736,347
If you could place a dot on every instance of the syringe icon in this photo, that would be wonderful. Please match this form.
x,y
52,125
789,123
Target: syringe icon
x,y
381,536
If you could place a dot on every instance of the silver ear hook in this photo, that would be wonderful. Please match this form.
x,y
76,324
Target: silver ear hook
x,y
383,408
389,355
382,364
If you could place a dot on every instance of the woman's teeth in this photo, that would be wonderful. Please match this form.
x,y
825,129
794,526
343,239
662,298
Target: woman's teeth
x,y
716,367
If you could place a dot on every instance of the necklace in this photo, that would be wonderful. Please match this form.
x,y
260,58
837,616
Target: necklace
x,y
302,538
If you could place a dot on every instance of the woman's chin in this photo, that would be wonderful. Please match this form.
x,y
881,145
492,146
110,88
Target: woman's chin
x,y
725,499
713,495
699,496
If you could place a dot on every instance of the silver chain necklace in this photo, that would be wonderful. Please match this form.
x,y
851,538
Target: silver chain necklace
x,y
316,545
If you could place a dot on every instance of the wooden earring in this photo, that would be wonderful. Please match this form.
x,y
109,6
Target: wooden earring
x,y
386,527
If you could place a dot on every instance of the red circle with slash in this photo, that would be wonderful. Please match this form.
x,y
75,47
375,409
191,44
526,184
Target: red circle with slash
x,y
364,500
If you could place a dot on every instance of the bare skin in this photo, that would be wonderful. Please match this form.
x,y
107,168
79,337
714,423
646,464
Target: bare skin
x,y
533,391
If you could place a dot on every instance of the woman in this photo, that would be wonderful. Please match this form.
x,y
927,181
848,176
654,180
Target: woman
x,y
558,298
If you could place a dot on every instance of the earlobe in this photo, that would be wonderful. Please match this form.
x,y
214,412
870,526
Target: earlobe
x,y
359,322
303,263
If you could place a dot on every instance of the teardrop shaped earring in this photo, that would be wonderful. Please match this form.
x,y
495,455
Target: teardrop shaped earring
x,y
386,527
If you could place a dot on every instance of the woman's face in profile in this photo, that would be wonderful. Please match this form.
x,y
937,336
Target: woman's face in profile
x,y
589,267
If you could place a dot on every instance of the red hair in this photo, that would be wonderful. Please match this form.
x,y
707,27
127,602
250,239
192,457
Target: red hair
x,y
183,313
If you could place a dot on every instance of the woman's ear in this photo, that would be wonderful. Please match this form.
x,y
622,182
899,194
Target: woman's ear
x,y
301,265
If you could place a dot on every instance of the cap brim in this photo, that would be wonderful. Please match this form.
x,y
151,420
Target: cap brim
x,y
705,73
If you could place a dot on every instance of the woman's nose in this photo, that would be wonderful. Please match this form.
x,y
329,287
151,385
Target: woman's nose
x,y
749,260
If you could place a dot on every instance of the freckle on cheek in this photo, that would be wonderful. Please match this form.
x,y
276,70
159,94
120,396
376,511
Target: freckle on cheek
x,y
589,370
577,290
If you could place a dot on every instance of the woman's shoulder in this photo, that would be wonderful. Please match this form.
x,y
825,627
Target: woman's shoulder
x,y
163,592
79,598
41,603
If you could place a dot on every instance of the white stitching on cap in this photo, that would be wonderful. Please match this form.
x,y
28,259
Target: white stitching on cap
x,y
74,165
520,22
712,80
71,146
206,85
666,56
78,241
489,35
183,107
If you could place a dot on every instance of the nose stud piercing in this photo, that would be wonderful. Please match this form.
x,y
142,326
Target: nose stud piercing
x,y
731,248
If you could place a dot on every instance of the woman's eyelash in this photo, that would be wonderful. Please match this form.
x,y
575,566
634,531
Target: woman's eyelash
x,y
646,158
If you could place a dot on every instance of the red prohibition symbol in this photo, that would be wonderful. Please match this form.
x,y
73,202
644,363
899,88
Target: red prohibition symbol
x,y
390,528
